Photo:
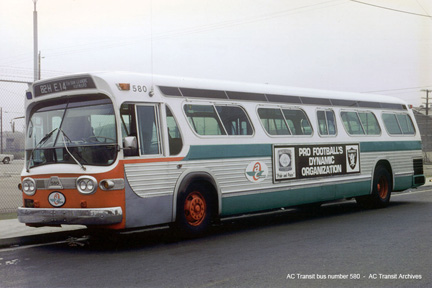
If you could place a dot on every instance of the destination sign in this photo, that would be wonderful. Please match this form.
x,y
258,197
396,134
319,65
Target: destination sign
x,y
304,161
55,86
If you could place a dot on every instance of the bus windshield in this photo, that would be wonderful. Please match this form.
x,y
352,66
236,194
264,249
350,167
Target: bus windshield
x,y
80,130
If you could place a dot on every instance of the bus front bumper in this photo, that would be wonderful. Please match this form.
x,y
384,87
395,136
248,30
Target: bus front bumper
x,y
59,216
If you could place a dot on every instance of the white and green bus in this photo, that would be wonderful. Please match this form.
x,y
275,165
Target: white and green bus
x,y
124,150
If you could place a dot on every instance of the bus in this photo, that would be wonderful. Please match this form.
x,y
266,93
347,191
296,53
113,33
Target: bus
x,y
119,151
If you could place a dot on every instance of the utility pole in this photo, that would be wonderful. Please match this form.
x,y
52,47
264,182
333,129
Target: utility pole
x,y
39,66
427,99
35,43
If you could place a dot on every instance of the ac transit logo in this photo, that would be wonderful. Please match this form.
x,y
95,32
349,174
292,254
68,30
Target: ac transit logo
x,y
352,158
256,171
56,199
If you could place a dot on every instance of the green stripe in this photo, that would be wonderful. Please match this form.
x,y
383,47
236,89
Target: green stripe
x,y
267,201
390,146
202,152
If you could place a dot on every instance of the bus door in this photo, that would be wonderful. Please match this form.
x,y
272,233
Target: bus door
x,y
140,130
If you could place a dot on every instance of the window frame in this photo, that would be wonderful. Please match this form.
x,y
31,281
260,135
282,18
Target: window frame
x,y
167,107
281,108
357,111
157,123
376,119
224,131
325,110
402,134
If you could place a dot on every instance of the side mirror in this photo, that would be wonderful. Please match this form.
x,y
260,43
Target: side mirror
x,y
130,146
130,142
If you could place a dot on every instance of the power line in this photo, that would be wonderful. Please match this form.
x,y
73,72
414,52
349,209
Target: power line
x,y
391,9
174,33
398,89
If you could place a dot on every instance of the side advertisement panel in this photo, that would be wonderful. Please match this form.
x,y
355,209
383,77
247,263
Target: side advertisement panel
x,y
304,161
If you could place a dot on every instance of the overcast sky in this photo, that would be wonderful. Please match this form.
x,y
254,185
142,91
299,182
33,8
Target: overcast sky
x,y
325,44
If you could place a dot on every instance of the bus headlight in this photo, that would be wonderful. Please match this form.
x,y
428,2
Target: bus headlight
x,y
86,184
29,186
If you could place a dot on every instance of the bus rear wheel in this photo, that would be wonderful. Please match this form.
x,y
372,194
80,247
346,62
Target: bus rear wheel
x,y
381,190
194,211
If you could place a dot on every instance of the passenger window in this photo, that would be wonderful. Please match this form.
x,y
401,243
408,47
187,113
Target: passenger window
x,y
391,124
174,137
234,120
398,124
273,121
148,130
297,122
406,124
370,123
352,123
326,122
204,119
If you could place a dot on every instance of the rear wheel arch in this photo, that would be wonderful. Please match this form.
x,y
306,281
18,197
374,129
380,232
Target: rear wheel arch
x,y
382,186
384,164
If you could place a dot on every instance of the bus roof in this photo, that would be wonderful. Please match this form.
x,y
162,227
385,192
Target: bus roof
x,y
228,90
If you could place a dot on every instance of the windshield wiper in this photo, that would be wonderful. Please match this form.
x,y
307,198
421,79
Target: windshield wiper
x,y
67,150
42,141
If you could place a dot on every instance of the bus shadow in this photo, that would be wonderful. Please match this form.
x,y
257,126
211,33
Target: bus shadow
x,y
109,241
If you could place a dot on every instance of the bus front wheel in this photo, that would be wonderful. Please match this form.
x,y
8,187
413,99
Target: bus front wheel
x,y
194,211
381,190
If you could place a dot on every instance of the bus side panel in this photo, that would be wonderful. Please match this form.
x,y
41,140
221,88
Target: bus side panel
x,y
149,187
402,183
399,154
146,211
234,205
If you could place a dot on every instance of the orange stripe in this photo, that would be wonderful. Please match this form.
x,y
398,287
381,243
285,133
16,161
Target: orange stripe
x,y
152,160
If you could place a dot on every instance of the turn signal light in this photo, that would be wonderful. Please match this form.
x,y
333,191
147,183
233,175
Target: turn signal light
x,y
123,86
107,184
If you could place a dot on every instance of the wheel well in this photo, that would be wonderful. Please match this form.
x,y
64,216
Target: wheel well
x,y
386,164
203,179
214,196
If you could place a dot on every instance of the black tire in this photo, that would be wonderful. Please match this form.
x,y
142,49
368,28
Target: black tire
x,y
6,160
194,211
381,190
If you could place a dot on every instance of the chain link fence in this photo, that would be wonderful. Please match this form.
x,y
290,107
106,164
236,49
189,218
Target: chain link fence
x,y
12,95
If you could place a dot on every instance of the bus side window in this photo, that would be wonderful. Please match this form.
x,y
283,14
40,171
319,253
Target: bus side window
x,y
326,122
398,124
204,119
148,130
297,121
234,120
406,124
273,121
174,136
352,123
370,123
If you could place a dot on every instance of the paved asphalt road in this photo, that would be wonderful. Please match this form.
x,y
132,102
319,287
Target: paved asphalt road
x,y
347,246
